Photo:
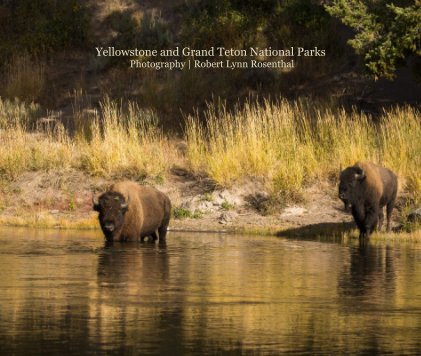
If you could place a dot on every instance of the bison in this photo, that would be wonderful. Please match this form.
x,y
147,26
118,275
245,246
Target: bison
x,y
129,212
367,188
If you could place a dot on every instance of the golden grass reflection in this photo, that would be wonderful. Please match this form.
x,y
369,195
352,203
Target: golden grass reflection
x,y
206,294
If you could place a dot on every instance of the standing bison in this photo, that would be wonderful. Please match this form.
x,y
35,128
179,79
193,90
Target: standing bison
x,y
367,188
129,212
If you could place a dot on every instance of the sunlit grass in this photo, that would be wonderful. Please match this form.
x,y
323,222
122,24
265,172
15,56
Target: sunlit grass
x,y
260,142
400,138
13,112
22,151
289,145
120,143
414,236
44,220
286,145
124,143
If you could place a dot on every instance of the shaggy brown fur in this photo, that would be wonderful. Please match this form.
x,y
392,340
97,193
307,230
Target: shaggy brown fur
x,y
129,211
368,188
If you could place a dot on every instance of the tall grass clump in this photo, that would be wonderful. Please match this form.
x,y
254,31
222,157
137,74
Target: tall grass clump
x,y
290,145
25,153
14,112
338,139
255,141
400,137
120,143
285,145
23,150
124,142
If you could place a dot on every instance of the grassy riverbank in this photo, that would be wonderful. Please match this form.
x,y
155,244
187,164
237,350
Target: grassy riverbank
x,y
256,160
291,145
285,145
128,143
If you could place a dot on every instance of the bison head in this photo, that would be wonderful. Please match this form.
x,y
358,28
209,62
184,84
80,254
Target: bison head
x,y
349,183
111,207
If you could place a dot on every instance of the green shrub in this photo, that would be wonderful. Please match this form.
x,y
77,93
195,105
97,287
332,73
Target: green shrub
x,y
385,31
227,205
183,213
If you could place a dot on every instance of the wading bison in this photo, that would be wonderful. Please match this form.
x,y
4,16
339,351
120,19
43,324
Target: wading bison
x,y
129,212
367,188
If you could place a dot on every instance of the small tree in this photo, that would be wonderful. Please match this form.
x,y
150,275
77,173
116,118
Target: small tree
x,y
385,31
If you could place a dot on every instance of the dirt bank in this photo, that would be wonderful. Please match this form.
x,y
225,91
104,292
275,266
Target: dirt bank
x,y
64,200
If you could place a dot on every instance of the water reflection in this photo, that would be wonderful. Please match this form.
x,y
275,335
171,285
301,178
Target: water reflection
x,y
366,288
131,280
369,271
206,294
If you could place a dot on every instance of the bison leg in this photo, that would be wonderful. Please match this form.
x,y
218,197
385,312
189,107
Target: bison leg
x,y
366,219
389,208
381,219
155,235
364,235
162,230
371,220
359,217
162,233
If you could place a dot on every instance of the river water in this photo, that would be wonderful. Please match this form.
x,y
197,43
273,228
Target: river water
x,y
69,293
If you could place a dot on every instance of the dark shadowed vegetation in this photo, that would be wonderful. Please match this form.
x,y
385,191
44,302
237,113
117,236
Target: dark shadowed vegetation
x,y
49,41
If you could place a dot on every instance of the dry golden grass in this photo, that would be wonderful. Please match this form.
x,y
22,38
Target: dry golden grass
x,y
414,236
120,143
43,220
253,142
400,138
16,112
23,151
125,143
289,145
286,145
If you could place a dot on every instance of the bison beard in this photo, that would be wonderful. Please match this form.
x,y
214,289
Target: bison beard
x,y
129,212
367,188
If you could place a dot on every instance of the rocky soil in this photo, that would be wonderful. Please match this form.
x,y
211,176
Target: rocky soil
x,y
197,203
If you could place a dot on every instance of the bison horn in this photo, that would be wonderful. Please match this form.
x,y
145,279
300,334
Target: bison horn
x,y
125,205
360,176
95,203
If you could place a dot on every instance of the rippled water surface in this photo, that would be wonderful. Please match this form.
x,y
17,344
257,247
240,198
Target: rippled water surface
x,y
68,293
